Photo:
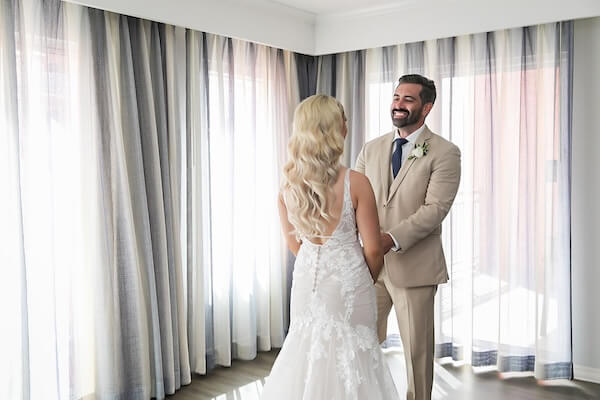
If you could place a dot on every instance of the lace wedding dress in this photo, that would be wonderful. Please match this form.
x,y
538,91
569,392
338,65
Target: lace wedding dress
x,y
331,350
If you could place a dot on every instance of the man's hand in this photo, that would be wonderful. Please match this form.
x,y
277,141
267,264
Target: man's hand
x,y
386,242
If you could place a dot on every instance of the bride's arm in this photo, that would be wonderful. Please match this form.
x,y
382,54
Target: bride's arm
x,y
288,228
367,222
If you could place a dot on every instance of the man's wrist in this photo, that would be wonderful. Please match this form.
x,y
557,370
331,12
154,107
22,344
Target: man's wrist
x,y
395,246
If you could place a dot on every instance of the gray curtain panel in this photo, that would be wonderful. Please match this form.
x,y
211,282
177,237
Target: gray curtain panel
x,y
98,154
307,74
139,193
139,175
343,77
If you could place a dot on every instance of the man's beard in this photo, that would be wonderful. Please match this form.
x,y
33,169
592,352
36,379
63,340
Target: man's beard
x,y
410,119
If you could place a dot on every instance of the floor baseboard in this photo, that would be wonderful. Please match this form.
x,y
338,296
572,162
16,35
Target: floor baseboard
x,y
587,374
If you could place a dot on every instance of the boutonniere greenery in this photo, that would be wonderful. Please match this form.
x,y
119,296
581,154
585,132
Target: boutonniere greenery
x,y
419,151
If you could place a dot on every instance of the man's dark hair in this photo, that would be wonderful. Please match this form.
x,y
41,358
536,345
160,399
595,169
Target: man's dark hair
x,y
428,92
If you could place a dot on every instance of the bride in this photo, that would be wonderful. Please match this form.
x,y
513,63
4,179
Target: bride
x,y
331,350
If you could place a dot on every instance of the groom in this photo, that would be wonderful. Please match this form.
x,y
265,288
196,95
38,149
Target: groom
x,y
415,175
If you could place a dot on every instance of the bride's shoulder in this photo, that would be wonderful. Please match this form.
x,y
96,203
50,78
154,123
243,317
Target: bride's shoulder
x,y
357,177
359,184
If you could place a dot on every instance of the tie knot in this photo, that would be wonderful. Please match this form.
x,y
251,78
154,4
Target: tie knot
x,y
401,141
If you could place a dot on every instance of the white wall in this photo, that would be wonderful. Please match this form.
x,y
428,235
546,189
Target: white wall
x,y
418,20
585,217
258,21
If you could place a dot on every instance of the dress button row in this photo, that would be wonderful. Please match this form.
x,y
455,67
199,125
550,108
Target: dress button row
x,y
316,269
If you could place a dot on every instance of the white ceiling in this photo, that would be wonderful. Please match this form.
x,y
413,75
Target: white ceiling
x,y
330,26
321,7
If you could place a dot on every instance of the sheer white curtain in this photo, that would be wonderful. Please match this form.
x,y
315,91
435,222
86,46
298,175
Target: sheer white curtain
x,y
138,182
247,93
504,99
91,297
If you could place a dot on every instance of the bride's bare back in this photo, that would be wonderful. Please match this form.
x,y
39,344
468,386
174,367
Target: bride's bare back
x,y
367,220
335,200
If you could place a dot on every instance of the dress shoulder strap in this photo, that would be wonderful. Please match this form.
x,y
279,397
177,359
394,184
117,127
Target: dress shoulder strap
x,y
347,185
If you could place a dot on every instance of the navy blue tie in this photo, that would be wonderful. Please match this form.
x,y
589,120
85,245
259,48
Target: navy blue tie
x,y
397,155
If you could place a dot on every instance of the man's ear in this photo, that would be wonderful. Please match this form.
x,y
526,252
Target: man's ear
x,y
426,109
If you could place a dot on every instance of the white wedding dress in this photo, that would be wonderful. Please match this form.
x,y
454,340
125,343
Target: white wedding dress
x,y
331,350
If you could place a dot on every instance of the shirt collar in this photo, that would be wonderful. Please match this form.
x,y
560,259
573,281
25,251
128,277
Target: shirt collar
x,y
412,138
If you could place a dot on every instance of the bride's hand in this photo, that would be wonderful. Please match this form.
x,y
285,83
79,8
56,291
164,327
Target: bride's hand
x,y
386,242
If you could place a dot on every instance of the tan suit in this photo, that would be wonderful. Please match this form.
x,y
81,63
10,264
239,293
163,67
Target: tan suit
x,y
411,207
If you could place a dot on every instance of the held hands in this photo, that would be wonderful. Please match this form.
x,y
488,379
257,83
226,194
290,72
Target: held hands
x,y
386,242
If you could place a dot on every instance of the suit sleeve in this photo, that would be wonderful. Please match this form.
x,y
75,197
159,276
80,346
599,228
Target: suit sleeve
x,y
360,161
441,191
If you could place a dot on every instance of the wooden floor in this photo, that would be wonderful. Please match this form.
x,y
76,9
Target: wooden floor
x,y
244,381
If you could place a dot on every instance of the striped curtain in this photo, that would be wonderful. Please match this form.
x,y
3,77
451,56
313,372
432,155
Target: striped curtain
x,y
138,181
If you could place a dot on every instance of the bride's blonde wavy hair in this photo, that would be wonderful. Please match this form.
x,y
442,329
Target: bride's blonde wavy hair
x,y
314,150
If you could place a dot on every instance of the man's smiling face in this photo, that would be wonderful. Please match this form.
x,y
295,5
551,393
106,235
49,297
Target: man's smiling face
x,y
407,107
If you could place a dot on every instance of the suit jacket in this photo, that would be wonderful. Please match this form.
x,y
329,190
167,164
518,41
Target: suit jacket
x,y
414,205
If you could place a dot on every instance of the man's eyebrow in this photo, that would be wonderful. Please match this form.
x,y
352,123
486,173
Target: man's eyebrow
x,y
406,96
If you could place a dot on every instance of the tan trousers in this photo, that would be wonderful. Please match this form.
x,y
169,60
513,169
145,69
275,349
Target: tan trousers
x,y
414,310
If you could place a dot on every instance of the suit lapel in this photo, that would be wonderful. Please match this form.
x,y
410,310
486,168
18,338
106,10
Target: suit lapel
x,y
384,163
425,136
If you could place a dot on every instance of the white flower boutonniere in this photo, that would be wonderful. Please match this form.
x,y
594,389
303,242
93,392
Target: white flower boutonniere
x,y
419,151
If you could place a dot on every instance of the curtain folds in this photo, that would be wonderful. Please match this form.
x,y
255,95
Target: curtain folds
x,y
96,153
343,76
239,113
505,99
135,155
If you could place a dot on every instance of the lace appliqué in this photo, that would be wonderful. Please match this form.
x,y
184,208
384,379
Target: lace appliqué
x,y
332,334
